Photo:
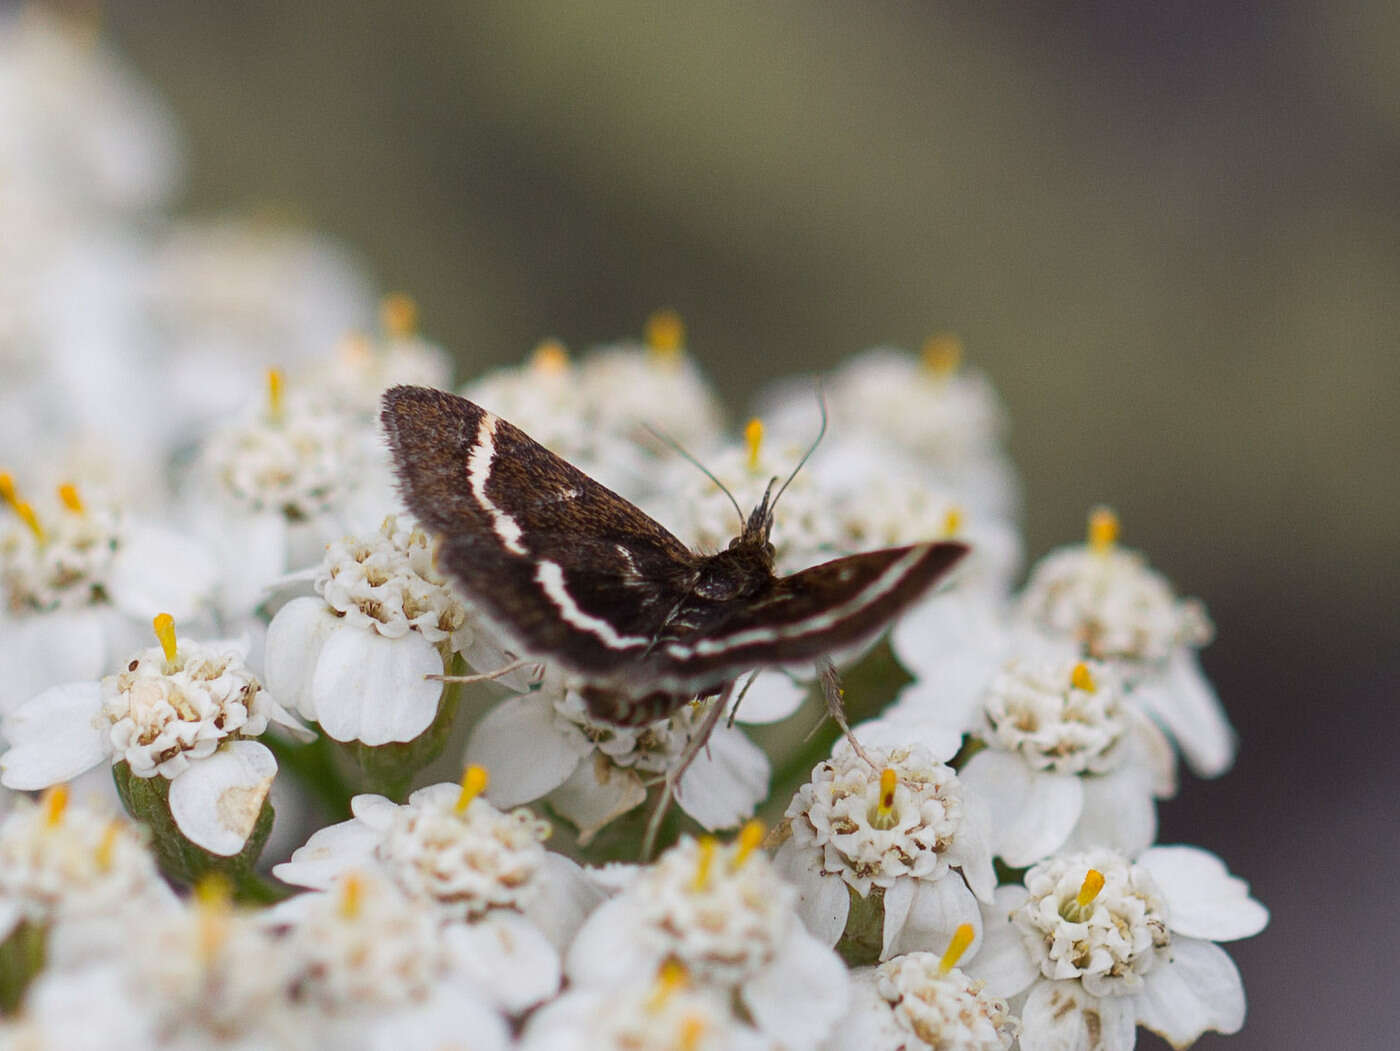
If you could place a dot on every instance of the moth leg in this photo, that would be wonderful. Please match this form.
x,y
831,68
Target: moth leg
x,y
505,669
672,781
740,700
835,704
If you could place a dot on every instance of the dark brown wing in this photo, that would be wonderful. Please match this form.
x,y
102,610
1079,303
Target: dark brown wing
x,y
804,616
569,569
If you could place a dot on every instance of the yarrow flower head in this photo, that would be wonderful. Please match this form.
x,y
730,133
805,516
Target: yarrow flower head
x,y
1105,942
187,712
921,1002
905,827
726,917
1107,601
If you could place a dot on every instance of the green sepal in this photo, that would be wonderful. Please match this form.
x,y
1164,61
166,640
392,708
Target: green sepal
x,y
147,800
21,959
864,935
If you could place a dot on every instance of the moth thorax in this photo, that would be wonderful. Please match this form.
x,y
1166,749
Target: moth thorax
x,y
736,572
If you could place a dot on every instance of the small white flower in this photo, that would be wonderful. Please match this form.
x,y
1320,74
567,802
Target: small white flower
x,y
450,848
546,744
383,972
1099,942
357,659
186,713
922,1002
74,867
909,829
80,581
1111,604
1068,761
727,918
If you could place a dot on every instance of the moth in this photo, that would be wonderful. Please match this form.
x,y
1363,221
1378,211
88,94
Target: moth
x,y
575,575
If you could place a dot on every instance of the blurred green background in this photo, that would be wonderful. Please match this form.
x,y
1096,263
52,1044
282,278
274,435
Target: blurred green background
x,y
1170,231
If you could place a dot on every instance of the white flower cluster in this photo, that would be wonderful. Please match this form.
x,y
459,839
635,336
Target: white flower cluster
x,y
190,439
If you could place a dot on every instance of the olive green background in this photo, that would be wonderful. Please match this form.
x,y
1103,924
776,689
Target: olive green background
x,y
1171,232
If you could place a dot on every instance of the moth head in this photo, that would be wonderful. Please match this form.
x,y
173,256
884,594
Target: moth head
x,y
759,524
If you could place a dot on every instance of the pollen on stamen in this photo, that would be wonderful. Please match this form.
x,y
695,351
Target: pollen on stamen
x,y
665,333
398,315
1089,890
749,839
474,782
705,862
884,816
753,437
68,494
274,395
8,492
550,358
107,846
1103,529
352,893
54,803
671,976
164,625
1080,679
942,354
952,522
957,945
21,508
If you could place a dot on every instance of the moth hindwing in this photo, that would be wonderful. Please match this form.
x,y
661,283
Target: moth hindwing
x,y
575,575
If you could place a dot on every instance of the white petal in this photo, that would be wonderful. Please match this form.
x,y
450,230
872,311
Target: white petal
x,y
55,737
378,813
900,726
727,780
936,911
216,802
1198,989
823,902
596,793
773,696
1002,960
802,992
869,1023
1032,812
292,648
507,958
1186,704
971,849
565,899
439,1024
328,854
607,949
898,900
1061,1016
46,649
1203,899
160,571
525,749
253,552
376,690
1152,750
1118,812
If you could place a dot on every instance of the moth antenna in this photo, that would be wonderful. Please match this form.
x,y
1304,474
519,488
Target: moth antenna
x,y
821,402
663,436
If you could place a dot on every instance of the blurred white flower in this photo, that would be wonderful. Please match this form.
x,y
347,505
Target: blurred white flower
x,y
187,713
726,917
1111,604
908,830
1100,943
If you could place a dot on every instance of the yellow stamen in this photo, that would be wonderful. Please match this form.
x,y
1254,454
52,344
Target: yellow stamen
x,y
54,803
68,493
164,625
957,945
1103,529
942,354
474,782
952,521
1080,679
28,517
692,1032
274,395
213,896
8,492
352,893
671,976
884,816
107,846
705,862
1093,883
665,333
753,436
750,838
398,314
550,358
